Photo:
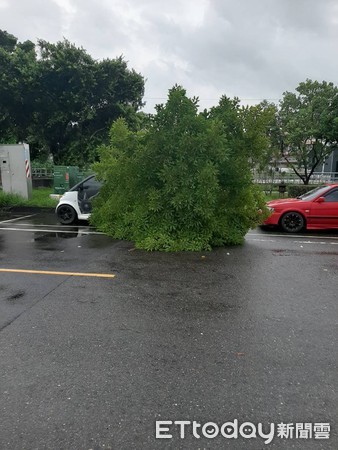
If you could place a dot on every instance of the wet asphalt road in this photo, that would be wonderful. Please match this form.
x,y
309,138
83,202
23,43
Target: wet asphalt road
x,y
246,333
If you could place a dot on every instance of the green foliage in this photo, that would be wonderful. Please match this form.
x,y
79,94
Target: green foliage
x,y
7,41
270,154
247,127
60,100
294,190
42,163
17,64
308,126
180,185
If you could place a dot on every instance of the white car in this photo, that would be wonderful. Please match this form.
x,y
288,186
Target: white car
x,y
75,204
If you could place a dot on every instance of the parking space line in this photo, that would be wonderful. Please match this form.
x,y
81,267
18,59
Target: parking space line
x,y
52,272
294,241
17,218
260,240
34,230
295,236
83,227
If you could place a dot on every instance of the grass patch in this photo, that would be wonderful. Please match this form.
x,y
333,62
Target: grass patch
x,y
40,198
10,200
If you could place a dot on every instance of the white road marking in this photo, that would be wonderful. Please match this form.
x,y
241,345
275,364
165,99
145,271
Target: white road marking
x,y
260,240
296,242
17,218
294,236
311,242
53,226
50,231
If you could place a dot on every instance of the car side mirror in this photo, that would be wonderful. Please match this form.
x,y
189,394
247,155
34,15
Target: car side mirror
x,y
321,200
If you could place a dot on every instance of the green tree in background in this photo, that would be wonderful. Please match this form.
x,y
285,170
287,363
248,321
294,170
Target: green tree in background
x,y
180,185
308,126
17,81
7,41
60,100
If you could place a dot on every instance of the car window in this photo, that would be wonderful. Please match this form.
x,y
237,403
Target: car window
x,y
314,193
92,184
90,188
332,196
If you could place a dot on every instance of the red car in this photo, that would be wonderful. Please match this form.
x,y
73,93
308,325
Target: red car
x,y
315,210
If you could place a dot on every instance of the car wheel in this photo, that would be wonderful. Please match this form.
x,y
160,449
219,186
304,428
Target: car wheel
x,y
66,214
292,222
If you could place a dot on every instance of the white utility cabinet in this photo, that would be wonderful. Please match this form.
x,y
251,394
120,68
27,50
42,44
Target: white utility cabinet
x,y
16,174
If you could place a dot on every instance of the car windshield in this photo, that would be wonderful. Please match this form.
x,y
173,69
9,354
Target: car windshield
x,y
76,187
314,193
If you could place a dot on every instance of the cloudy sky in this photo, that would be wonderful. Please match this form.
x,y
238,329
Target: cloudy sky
x,y
252,49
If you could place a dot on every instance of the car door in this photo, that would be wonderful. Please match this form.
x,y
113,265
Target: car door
x,y
324,210
86,192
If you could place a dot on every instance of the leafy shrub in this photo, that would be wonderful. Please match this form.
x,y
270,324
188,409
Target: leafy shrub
x,y
294,190
177,186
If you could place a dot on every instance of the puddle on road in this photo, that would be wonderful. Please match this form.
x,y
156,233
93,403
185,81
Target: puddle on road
x,y
52,241
43,232
41,236
49,220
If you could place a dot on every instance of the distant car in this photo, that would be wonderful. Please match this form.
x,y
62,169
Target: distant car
x,y
315,210
75,204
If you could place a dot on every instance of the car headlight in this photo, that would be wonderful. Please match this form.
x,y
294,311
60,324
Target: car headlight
x,y
271,209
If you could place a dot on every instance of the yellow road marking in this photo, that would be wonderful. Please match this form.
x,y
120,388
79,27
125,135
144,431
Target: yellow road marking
x,y
51,272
